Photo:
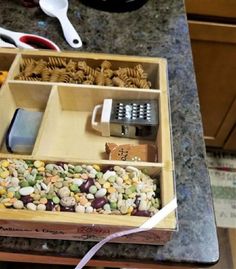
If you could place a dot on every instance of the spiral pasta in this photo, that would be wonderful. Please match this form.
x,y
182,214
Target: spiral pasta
x,y
71,66
22,77
100,79
56,73
46,73
87,69
108,73
39,67
127,80
28,71
105,65
141,83
56,62
64,77
56,69
118,82
78,76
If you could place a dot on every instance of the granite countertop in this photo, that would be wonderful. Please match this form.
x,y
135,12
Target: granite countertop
x,y
159,28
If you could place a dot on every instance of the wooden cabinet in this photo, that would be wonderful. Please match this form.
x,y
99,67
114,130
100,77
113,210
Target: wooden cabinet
x,y
214,55
224,9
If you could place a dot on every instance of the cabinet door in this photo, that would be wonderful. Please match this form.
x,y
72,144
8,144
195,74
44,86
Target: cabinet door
x,y
230,122
231,141
214,55
216,8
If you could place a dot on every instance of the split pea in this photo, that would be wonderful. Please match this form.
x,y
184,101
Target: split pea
x,y
10,195
56,200
2,191
38,164
111,190
41,169
96,167
5,164
112,179
99,175
113,205
4,174
106,185
74,187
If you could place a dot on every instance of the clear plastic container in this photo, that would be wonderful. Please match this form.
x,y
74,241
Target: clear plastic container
x,y
23,131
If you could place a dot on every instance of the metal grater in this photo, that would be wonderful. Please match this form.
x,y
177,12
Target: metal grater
x,y
134,119
128,118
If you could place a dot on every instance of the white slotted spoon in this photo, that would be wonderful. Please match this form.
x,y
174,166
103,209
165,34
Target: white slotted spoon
x,y
58,9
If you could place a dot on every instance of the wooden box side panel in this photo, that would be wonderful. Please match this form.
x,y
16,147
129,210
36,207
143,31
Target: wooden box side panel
x,y
168,191
80,232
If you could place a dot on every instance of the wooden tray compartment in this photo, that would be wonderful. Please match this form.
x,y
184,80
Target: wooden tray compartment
x,y
6,60
66,128
13,96
91,227
65,105
151,68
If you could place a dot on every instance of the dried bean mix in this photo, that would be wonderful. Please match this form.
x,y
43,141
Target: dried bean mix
x,y
36,185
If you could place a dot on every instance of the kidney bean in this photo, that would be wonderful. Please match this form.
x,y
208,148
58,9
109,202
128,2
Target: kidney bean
x,y
67,208
84,187
26,199
50,205
142,213
110,168
137,200
98,202
61,164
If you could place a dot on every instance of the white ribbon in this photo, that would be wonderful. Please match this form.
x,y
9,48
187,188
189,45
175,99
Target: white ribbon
x,y
147,225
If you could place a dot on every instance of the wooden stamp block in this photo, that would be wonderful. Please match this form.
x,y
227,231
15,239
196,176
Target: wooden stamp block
x,y
129,152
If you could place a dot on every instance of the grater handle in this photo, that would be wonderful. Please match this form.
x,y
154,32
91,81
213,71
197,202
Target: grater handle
x,y
96,125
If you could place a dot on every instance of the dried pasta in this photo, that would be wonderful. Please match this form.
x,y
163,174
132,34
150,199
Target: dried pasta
x,y
140,71
56,62
71,66
64,77
88,82
29,68
46,73
56,73
56,69
40,65
127,80
108,73
87,69
105,65
131,72
25,62
118,82
100,79
22,77
108,82
78,76
141,83
90,77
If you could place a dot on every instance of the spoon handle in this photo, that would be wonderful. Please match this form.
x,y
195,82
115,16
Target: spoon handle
x,y
71,36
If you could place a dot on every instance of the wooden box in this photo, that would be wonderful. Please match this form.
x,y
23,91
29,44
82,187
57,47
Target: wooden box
x,y
61,138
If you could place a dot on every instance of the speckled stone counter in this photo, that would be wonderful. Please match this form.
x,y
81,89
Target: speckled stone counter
x,y
159,28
